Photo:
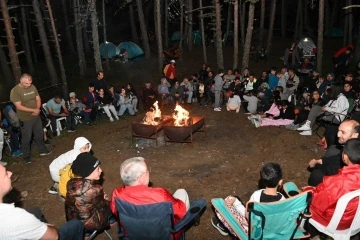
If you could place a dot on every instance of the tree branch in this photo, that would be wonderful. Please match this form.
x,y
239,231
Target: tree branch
x,y
351,6
197,9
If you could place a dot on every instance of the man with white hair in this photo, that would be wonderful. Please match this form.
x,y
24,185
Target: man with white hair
x,y
136,177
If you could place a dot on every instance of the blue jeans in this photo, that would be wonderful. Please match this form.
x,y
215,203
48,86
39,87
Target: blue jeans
x,y
85,115
72,230
123,108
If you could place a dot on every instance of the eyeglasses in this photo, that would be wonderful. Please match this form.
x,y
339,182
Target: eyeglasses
x,y
148,171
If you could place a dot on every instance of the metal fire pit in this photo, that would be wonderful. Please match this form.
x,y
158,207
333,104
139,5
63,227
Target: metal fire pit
x,y
140,130
184,134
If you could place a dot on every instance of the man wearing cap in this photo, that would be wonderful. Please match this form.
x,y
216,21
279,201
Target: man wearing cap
x,y
170,72
85,197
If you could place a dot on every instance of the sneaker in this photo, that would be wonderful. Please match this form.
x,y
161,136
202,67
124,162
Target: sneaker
x,y
47,152
89,123
253,120
217,109
295,127
135,110
306,133
47,142
2,163
257,123
53,190
219,226
27,160
304,127
71,130
117,118
16,154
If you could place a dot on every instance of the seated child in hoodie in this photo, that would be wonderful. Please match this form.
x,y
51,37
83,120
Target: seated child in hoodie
x,y
79,109
59,167
286,116
234,102
252,102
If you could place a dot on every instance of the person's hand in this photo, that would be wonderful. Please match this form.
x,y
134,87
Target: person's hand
x,y
106,197
324,108
312,163
307,108
229,201
36,112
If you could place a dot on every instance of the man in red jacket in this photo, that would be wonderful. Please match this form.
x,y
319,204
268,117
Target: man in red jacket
x,y
327,193
135,176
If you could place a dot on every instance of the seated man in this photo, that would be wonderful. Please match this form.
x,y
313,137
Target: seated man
x,y
330,165
148,95
57,109
136,177
17,223
188,90
163,90
177,93
91,101
326,194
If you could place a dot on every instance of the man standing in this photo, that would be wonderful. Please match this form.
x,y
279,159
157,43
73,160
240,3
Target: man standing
x,y
170,72
57,109
99,82
28,102
219,82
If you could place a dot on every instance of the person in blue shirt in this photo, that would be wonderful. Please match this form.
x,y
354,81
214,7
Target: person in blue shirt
x,y
273,80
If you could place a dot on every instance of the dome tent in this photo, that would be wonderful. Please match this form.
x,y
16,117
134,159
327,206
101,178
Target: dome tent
x,y
307,46
131,48
111,49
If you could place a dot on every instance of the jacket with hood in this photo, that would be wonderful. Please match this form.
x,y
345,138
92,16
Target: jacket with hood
x,y
219,82
69,156
338,107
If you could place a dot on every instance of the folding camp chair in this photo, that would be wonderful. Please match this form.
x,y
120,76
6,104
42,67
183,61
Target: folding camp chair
x,y
58,121
276,220
155,221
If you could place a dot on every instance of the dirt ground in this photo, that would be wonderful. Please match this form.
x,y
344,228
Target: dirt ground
x,y
226,161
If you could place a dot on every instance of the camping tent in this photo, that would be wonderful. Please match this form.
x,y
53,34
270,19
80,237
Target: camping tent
x,y
334,32
111,48
196,37
307,46
175,36
131,48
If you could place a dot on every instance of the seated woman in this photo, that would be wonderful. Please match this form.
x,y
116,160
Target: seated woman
x,y
334,111
133,94
234,102
125,103
163,90
85,197
309,102
106,103
114,95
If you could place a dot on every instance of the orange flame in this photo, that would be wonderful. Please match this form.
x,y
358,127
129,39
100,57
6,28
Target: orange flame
x,y
153,117
181,116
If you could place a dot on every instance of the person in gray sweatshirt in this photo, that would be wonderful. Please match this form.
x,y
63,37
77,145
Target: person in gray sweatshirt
x,y
219,82
252,101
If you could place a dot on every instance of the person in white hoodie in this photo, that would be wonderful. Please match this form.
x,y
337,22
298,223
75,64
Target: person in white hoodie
x,y
234,103
81,145
334,111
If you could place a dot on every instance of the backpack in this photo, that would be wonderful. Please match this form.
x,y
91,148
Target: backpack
x,y
65,175
11,116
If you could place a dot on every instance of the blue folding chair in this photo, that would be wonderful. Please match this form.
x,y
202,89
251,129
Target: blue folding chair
x,y
277,220
155,221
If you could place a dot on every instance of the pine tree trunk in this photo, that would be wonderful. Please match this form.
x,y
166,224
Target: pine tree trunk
x,y
31,39
45,16
95,36
134,34
190,17
58,50
181,29
350,22
245,61
70,43
79,39
19,29
44,43
85,38
242,23
166,20
283,18
271,27
104,33
146,11
158,34
186,24
320,36
202,31
236,34
6,69
228,20
218,40
262,20
297,23
15,65
26,39
144,36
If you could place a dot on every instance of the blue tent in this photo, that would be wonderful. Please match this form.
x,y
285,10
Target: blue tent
x,y
111,48
132,49
176,36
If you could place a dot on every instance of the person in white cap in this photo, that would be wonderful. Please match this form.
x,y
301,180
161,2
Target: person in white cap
x,y
170,72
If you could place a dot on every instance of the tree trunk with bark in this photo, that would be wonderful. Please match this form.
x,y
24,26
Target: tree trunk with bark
x,y
190,22
85,37
157,10
134,34
320,36
181,29
104,33
166,20
26,39
202,31
58,51
144,36
218,40
95,36
271,27
79,39
242,22
15,65
261,29
70,43
236,34
6,69
245,60
283,18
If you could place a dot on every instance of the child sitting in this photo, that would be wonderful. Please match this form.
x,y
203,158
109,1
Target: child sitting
x,y
234,102
57,165
274,111
286,116
252,102
271,178
201,94
79,109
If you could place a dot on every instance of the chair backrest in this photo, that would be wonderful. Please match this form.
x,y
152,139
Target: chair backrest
x,y
278,220
149,221
340,209
44,109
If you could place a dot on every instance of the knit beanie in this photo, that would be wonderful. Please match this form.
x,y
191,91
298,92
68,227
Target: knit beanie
x,y
84,164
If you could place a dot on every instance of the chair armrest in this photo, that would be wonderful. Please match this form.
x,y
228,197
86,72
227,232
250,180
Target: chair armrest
x,y
195,211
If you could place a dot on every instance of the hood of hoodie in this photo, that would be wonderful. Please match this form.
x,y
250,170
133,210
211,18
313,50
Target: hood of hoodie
x,y
80,142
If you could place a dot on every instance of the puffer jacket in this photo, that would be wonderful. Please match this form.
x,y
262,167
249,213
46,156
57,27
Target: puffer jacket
x,y
85,201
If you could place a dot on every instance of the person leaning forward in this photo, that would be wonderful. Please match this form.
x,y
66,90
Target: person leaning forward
x,y
28,102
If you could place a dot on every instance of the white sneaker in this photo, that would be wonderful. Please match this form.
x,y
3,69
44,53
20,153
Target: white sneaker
x,y
3,163
117,118
256,123
306,133
304,127
217,109
111,119
135,110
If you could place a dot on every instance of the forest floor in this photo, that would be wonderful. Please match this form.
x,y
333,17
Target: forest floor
x,y
226,161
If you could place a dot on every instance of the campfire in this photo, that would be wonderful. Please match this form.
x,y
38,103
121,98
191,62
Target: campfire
x,y
153,117
181,116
